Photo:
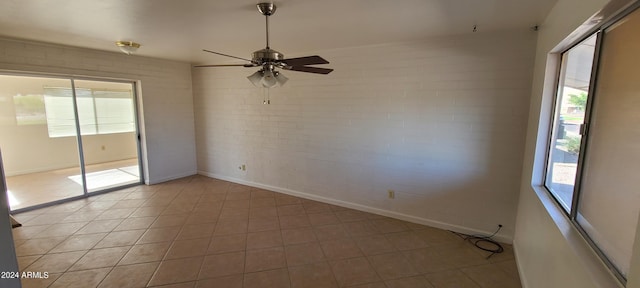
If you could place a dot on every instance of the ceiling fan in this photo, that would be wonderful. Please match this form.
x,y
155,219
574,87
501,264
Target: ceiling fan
x,y
269,59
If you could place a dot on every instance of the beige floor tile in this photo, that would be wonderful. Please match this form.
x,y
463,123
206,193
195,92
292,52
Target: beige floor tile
x,y
100,226
115,213
278,278
203,217
28,231
410,282
244,238
370,285
294,221
264,239
351,215
40,282
392,266
54,263
263,212
388,225
159,235
375,244
324,218
491,276
353,271
38,246
120,238
406,240
313,207
264,259
434,236
263,224
361,228
282,199
147,211
79,242
460,255
262,202
135,223
235,226
24,261
142,253
61,229
289,210
194,231
170,220
450,279
218,265
99,258
340,249
302,254
233,281
427,260
227,243
81,279
81,216
316,275
130,276
176,271
48,218
188,248
298,236
330,232
229,214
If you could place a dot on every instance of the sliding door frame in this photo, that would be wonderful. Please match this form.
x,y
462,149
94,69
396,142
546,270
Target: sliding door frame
x,y
72,79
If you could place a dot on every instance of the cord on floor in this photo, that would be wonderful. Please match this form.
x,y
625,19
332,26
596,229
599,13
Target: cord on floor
x,y
479,241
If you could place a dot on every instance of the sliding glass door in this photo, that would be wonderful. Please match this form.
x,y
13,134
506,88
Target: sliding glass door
x,y
64,138
106,112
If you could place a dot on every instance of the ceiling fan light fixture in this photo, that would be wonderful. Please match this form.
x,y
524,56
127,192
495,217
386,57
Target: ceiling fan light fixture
x,y
281,79
128,47
256,78
268,79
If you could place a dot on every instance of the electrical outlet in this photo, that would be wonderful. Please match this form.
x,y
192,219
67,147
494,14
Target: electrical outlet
x,y
391,194
244,167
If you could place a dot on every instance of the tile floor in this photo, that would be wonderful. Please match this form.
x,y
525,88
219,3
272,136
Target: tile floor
x,y
202,232
42,187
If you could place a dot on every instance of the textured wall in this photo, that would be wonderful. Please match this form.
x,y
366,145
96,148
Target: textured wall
x,y
441,121
166,105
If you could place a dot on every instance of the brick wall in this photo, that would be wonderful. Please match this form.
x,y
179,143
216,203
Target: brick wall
x,y
440,121
166,103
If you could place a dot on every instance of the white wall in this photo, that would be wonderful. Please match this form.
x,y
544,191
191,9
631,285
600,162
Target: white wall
x,y
440,121
166,103
549,251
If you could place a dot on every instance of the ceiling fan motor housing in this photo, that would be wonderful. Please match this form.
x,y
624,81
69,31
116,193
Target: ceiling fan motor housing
x,y
267,56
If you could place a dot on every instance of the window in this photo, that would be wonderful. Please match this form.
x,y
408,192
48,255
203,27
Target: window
x,y
99,111
594,152
29,109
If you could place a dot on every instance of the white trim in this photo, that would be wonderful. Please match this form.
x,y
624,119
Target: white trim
x,y
393,214
523,276
169,178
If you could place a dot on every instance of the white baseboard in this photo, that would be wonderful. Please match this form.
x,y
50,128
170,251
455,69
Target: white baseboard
x,y
523,277
169,178
393,214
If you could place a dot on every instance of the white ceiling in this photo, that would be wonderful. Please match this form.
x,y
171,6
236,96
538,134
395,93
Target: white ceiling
x,y
178,30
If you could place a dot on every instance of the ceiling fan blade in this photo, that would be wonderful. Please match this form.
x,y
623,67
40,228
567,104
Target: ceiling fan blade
x,y
222,54
309,69
225,65
301,61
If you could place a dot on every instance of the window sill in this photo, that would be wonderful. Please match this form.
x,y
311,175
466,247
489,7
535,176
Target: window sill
x,y
600,275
